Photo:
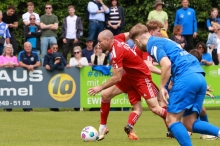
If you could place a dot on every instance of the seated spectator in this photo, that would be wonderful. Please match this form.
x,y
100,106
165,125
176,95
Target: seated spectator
x,y
213,43
49,59
206,57
8,60
177,37
32,33
5,35
78,60
88,51
99,58
29,60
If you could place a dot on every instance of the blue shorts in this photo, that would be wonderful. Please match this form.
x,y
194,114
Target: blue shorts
x,y
187,93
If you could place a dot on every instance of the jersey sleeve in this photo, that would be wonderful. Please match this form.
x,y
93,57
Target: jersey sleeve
x,y
120,37
117,58
157,52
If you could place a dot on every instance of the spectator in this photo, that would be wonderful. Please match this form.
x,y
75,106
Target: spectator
x,y
186,17
49,26
206,57
213,43
115,18
28,59
99,58
50,58
213,18
177,37
72,30
26,16
78,60
154,27
11,19
97,10
4,35
159,15
8,60
88,51
32,33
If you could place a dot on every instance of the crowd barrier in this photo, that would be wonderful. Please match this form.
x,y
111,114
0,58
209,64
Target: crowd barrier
x,y
40,88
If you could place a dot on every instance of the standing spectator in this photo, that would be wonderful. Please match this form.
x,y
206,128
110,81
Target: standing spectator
x,y
97,10
8,60
32,33
4,34
115,18
186,17
159,15
78,60
49,26
206,57
29,60
177,37
213,18
72,30
99,58
11,19
88,51
26,16
213,43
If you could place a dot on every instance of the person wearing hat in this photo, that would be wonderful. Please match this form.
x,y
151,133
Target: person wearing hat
x,y
89,50
159,15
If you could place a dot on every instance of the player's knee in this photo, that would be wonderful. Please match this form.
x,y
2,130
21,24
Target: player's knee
x,y
105,96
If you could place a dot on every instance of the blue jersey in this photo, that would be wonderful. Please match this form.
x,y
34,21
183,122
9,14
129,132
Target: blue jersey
x,y
182,63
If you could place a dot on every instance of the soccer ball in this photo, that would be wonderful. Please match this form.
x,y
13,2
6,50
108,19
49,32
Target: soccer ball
x,y
89,134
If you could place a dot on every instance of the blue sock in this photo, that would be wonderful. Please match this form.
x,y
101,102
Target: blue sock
x,y
205,128
181,134
204,118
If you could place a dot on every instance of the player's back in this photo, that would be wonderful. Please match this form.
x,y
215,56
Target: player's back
x,y
123,56
182,62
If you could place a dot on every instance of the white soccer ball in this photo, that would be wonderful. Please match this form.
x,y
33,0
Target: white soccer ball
x,y
89,134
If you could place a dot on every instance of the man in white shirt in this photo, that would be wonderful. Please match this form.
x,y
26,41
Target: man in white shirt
x,y
72,30
26,16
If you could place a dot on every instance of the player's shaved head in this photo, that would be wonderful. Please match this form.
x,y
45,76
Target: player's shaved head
x,y
106,34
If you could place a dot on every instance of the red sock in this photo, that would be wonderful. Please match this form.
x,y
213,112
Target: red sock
x,y
164,115
133,117
104,111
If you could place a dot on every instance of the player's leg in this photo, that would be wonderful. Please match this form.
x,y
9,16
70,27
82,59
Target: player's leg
x,y
107,95
203,115
135,100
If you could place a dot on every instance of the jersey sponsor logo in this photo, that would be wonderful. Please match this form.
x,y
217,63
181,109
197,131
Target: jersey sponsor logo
x,y
189,13
32,58
2,26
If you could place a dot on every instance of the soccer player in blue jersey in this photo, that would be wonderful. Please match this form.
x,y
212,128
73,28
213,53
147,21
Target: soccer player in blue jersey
x,y
184,101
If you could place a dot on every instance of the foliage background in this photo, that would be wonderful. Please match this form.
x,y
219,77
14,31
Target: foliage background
x,y
135,11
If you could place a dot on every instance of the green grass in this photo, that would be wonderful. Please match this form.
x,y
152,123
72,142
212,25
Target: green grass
x,y
63,129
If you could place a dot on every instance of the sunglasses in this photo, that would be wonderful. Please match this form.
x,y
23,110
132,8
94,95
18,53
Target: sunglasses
x,y
55,47
200,47
76,52
48,7
32,18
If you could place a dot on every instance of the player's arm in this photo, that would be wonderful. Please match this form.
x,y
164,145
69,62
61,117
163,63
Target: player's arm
x,y
117,74
165,71
152,68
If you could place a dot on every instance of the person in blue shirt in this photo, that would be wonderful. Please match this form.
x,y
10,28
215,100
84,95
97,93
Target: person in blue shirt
x,y
182,67
186,17
206,57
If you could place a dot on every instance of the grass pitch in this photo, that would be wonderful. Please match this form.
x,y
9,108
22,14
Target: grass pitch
x,y
63,129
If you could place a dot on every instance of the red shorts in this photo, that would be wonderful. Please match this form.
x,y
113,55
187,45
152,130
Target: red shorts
x,y
137,88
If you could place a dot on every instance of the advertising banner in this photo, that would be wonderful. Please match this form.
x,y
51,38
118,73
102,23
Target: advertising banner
x,y
20,88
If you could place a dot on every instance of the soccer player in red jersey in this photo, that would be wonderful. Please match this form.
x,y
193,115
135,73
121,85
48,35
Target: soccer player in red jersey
x,y
136,82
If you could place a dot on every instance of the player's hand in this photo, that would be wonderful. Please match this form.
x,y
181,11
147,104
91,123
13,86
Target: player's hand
x,y
209,88
93,91
164,94
209,94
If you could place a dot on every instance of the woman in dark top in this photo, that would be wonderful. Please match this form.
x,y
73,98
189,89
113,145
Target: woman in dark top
x,y
115,18
177,37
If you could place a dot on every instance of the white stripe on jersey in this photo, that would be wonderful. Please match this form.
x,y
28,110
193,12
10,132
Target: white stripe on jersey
x,y
155,52
113,52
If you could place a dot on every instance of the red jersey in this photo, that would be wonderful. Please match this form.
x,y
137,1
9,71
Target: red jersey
x,y
123,56
143,55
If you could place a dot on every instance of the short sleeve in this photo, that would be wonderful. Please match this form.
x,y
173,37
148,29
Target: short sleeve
x,y
157,53
117,58
120,37
56,19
